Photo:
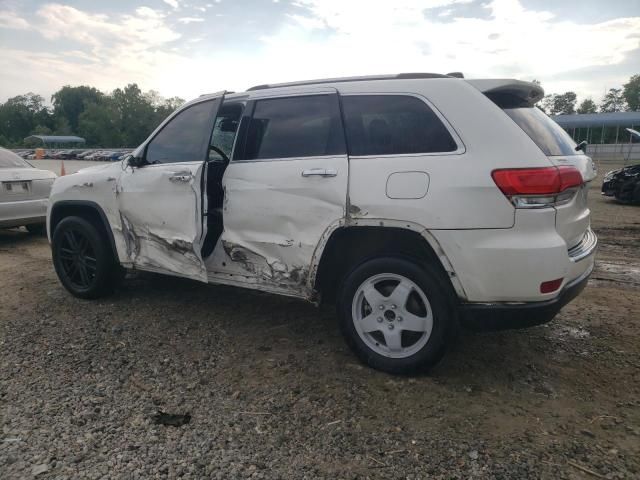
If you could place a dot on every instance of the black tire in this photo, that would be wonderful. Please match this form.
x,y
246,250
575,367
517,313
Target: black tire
x,y
36,228
90,270
636,194
444,327
626,192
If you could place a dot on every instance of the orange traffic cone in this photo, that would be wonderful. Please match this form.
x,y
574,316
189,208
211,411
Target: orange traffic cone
x,y
62,170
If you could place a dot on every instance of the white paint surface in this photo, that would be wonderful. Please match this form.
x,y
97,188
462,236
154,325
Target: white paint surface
x,y
277,222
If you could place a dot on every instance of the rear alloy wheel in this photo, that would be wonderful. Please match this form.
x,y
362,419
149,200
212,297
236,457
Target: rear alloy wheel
x,y
395,316
83,259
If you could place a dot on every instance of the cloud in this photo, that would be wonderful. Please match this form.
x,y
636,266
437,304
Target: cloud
x,y
396,37
162,48
106,51
172,3
10,19
188,20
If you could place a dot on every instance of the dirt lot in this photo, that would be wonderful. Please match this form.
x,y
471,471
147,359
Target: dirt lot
x,y
273,392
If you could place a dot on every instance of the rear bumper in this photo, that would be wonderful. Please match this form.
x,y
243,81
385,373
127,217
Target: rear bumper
x,y
16,214
504,316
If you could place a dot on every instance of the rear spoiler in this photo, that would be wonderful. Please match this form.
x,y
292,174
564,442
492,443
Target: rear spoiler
x,y
510,93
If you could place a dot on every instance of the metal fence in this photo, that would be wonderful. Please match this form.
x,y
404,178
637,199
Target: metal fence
x,y
625,153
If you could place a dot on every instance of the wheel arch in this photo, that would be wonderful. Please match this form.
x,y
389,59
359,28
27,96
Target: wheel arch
x,y
348,246
86,209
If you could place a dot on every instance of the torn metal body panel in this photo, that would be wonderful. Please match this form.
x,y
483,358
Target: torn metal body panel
x,y
273,219
160,213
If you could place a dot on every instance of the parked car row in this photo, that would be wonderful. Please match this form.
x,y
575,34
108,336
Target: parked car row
x,y
78,154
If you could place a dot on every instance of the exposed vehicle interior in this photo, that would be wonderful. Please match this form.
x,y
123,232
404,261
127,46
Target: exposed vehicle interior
x,y
221,145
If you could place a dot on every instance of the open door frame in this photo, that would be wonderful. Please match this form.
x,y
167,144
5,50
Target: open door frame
x,y
161,205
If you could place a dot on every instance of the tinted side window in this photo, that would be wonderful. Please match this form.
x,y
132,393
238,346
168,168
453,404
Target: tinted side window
x,y
294,127
393,125
186,137
225,130
547,134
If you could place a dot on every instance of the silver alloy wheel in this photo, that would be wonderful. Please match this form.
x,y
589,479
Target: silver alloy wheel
x,y
387,305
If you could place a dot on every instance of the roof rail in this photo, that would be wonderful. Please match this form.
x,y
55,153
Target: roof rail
x,y
398,76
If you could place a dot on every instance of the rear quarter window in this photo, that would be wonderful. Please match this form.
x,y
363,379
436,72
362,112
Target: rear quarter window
x,y
545,133
393,125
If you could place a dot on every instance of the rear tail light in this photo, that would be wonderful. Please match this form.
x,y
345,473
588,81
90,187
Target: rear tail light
x,y
538,187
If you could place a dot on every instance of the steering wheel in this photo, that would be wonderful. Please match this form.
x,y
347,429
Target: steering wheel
x,y
221,153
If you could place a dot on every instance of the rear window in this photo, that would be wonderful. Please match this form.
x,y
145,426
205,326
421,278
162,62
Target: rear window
x,y
393,125
546,133
11,160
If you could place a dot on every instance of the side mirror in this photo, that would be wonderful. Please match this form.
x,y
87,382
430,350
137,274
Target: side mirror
x,y
582,146
133,161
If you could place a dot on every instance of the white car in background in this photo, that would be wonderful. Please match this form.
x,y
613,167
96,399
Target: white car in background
x,y
24,193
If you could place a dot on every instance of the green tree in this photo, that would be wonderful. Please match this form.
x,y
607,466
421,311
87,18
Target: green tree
x,y
123,118
546,104
135,112
19,116
100,124
613,101
62,127
41,130
562,104
631,93
587,106
69,102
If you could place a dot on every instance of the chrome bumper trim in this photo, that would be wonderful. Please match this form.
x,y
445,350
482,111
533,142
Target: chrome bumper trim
x,y
585,248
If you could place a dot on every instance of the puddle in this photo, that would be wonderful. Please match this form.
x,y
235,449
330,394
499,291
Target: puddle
x,y
617,272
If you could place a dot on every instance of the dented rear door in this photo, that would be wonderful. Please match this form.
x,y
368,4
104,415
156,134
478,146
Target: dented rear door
x,y
160,203
285,187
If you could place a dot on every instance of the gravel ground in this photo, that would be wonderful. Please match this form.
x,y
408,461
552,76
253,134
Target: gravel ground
x,y
273,392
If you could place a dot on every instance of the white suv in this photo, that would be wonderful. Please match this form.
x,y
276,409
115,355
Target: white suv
x,y
416,202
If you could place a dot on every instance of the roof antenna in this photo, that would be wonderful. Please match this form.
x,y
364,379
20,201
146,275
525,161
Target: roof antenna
x,y
455,74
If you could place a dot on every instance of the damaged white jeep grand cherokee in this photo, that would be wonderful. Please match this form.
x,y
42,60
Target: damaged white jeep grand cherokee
x,y
416,202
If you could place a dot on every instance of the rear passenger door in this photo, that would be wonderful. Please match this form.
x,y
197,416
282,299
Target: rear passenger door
x,y
284,188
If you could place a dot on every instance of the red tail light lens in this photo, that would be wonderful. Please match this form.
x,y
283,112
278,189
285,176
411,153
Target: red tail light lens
x,y
536,181
538,187
550,286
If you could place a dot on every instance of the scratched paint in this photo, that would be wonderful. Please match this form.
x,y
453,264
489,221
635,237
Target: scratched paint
x,y
273,219
161,219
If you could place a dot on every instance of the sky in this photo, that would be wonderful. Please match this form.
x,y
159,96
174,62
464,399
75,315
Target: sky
x,y
187,48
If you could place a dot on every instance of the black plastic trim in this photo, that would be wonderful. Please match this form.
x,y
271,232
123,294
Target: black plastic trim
x,y
92,205
504,316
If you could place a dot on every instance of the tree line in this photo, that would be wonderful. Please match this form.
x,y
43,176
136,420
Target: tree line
x,y
122,118
624,99
126,116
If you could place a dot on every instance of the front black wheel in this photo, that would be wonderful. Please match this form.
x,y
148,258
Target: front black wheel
x,y
83,259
